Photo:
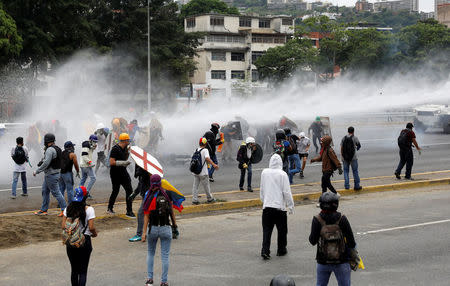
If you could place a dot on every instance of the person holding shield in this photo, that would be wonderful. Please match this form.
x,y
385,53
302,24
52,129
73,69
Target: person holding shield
x,y
244,156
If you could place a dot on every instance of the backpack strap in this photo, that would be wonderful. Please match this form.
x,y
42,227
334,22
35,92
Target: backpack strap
x,y
338,221
321,220
200,151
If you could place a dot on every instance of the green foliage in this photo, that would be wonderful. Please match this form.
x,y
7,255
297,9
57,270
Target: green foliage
x,y
385,18
195,7
10,41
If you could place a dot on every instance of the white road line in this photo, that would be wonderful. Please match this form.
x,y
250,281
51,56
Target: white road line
x,y
19,188
307,165
403,227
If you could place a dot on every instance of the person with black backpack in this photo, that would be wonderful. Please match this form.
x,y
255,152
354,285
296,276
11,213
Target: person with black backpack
x,y
405,140
349,145
332,233
295,165
51,166
330,163
19,155
199,168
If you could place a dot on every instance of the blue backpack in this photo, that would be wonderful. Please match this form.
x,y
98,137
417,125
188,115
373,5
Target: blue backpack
x,y
196,162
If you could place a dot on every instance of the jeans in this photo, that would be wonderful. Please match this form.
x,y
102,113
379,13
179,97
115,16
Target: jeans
x,y
341,271
406,157
23,177
354,165
326,182
205,182
140,219
124,181
270,218
211,168
294,159
79,262
66,183
314,139
51,185
85,172
249,177
164,233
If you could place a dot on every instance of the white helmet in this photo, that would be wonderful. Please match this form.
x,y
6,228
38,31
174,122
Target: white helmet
x,y
100,126
302,134
250,140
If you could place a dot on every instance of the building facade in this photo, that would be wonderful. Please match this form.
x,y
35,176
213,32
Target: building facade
x,y
397,5
442,11
363,5
230,47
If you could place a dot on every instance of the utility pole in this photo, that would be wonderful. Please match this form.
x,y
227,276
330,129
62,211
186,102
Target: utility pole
x,y
149,79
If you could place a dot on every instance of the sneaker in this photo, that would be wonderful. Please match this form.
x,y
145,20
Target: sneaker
x,y
130,215
110,211
195,203
61,214
24,195
40,213
358,188
241,188
164,284
250,190
301,175
149,282
211,201
398,176
211,179
318,205
282,253
13,197
135,238
265,256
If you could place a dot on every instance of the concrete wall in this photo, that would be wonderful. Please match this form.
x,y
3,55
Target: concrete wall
x,y
443,14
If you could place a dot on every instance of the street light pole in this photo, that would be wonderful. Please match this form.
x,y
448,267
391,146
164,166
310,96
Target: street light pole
x,y
149,79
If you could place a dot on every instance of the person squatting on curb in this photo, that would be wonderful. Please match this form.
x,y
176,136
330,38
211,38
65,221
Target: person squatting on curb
x,y
69,159
244,157
87,163
51,166
79,215
349,145
405,141
19,154
330,163
275,193
157,210
332,233
202,176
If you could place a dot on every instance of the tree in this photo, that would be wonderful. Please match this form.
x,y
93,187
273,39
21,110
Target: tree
x,y
195,7
10,41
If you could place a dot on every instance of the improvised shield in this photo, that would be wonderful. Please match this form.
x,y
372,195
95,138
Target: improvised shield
x,y
257,154
232,130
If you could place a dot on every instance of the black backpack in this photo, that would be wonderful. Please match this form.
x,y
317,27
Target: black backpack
x,y
19,155
348,148
403,140
196,162
160,215
292,145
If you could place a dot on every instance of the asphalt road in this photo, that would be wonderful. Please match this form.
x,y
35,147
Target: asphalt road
x,y
224,249
378,157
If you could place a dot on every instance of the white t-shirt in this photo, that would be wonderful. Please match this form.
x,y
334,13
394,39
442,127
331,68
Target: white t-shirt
x,y
205,154
90,214
22,167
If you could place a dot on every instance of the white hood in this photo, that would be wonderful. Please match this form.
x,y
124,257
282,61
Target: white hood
x,y
276,162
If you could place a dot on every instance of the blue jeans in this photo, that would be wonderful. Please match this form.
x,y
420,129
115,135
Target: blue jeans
x,y
354,165
341,271
294,159
249,177
164,233
51,185
23,177
211,169
85,172
140,219
66,183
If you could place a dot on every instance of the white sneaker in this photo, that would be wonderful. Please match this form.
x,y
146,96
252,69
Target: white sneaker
x,y
149,282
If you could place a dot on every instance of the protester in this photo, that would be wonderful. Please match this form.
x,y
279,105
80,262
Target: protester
x,y
275,193
79,257
202,177
133,128
87,163
142,187
213,142
101,133
405,140
292,152
280,147
244,156
317,129
51,166
69,160
157,210
330,163
19,154
349,145
332,233
303,145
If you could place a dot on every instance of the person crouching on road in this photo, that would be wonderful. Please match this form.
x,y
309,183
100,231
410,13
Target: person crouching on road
x,y
119,174
19,154
87,163
332,254
79,257
275,193
330,163
51,166
203,176
69,160
157,210
244,157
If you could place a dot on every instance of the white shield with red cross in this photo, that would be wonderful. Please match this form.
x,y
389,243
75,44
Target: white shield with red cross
x,y
146,161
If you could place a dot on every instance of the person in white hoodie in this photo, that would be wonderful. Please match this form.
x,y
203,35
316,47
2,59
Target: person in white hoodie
x,y
87,164
275,193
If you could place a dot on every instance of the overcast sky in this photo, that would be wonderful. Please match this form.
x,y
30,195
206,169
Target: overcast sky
x,y
424,5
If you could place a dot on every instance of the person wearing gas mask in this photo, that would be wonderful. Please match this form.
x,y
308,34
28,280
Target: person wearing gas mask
x,y
87,164
244,156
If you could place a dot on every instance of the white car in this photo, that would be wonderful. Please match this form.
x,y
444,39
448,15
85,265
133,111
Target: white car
x,y
432,116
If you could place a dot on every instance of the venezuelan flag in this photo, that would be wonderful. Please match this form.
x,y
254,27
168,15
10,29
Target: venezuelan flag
x,y
176,197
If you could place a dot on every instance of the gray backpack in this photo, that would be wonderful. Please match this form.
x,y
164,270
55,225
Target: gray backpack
x,y
331,241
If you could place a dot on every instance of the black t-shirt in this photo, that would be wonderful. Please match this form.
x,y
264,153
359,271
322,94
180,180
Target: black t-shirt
x,y
120,155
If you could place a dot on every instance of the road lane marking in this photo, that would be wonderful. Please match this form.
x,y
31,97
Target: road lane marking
x,y
8,190
403,227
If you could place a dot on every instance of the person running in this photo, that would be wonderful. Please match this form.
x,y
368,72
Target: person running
x,y
157,220
275,193
203,176
102,134
79,257
292,152
330,163
317,130
244,156
69,160
119,174
349,145
332,233
142,187
19,154
87,163
213,142
51,166
405,140
303,151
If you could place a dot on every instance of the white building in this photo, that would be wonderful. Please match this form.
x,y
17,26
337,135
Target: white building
x,y
231,45
397,5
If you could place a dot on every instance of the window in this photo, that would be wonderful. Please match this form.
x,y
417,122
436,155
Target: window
x,y
190,22
238,57
225,39
264,23
218,75
255,75
262,39
286,22
256,55
218,56
279,40
245,22
238,74
216,21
